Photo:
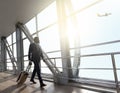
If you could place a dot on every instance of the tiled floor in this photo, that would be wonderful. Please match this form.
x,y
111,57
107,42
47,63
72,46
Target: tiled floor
x,y
9,85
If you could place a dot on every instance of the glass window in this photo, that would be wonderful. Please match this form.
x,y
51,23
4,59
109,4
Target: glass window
x,y
44,68
26,44
14,50
9,39
81,4
23,35
47,16
99,67
7,55
14,37
98,23
31,25
49,39
114,47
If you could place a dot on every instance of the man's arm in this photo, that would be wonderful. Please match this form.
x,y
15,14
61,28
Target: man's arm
x,y
30,52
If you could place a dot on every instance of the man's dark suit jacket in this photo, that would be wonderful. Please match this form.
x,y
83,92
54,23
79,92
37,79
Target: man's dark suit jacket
x,y
35,52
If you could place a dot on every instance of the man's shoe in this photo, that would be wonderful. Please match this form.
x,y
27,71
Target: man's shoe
x,y
33,81
42,85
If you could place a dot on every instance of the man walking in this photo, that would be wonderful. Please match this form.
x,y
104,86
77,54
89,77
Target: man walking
x,y
35,55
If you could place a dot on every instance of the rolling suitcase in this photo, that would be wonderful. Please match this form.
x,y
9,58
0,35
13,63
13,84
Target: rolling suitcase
x,y
23,75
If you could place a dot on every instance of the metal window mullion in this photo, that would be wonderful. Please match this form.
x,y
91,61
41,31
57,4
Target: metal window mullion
x,y
115,73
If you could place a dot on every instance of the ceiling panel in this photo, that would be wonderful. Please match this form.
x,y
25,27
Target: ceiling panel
x,y
12,11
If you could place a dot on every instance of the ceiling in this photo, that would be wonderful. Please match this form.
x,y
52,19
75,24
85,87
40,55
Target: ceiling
x,y
12,11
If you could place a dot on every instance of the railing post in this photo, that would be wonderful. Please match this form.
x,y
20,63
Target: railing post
x,y
115,72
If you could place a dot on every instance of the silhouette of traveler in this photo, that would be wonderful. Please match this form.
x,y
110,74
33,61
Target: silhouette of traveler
x,y
35,55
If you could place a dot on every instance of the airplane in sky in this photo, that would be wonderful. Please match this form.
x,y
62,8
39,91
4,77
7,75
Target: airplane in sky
x,y
102,15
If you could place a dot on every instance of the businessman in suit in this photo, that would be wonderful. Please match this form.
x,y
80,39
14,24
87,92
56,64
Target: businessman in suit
x,y
35,55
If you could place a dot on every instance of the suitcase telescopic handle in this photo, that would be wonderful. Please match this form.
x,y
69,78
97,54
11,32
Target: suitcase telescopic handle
x,y
29,66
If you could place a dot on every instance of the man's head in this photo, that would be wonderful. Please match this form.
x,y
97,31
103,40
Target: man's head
x,y
36,39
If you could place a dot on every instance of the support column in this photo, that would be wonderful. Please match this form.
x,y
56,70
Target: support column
x,y
115,73
3,55
19,47
65,52
76,37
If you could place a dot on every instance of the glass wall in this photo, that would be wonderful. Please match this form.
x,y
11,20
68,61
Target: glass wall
x,y
11,39
94,23
44,27
97,22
